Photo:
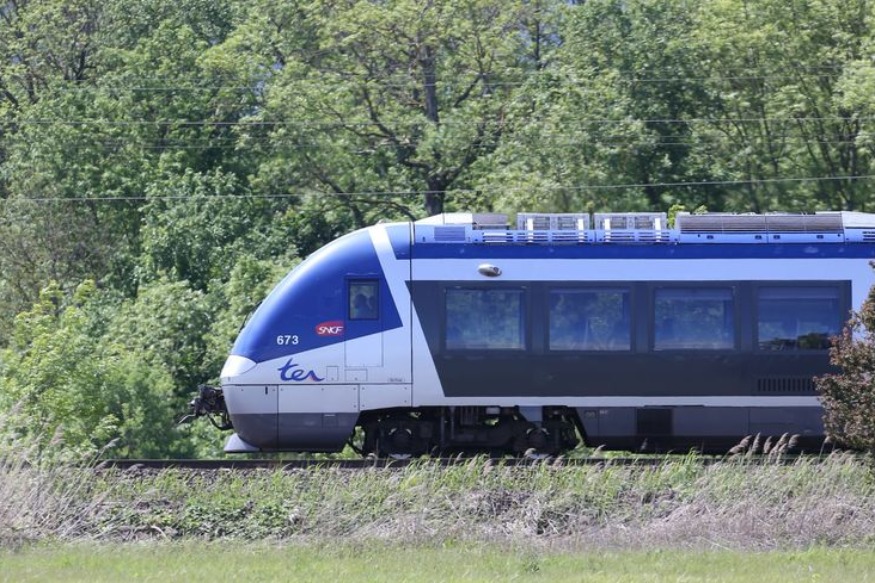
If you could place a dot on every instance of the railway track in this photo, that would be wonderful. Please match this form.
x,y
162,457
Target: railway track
x,y
365,464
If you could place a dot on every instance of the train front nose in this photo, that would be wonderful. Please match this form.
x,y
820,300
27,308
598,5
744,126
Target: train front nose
x,y
292,381
252,406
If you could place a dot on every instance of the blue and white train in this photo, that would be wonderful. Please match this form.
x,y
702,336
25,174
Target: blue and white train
x,y
457,333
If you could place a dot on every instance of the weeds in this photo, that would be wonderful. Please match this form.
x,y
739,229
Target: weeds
x,y
43,493
681,503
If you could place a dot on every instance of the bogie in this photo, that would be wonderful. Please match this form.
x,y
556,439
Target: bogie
x,y
470,430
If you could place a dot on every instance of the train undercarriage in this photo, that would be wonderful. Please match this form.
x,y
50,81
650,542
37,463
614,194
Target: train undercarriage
x,y
439,431
442,431
502,431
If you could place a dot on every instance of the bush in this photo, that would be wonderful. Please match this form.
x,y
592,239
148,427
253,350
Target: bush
x,y
77,369
848,396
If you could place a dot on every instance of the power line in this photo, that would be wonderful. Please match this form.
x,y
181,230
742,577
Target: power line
x,y
185,123
458,77
420,193
554,140
263,86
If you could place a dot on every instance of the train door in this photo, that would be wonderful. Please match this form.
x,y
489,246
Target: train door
x,y
364,325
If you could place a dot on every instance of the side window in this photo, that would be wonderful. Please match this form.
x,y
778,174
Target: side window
x,y
364,300
485,319
797,317
593,319
693,319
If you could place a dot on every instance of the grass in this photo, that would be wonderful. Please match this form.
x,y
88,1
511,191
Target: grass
x,y
42,496
192,561
679,504
811,520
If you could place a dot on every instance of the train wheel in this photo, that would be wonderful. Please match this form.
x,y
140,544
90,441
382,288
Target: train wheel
x,y
398,437
396,443
535,443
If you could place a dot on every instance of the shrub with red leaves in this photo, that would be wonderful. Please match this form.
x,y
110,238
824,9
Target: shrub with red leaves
x,y
849,396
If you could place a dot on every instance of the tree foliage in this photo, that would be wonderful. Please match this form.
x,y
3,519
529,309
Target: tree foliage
x,y
63,372
183,154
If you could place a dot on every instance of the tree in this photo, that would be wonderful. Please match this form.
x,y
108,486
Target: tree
x,y
604,123
44,43
371,103
165,326
195,226
779,122
102,101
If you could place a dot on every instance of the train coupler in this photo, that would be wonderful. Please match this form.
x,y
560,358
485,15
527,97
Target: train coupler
x,y
210,403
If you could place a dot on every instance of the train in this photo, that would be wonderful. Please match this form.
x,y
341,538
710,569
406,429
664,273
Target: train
x,y
464,333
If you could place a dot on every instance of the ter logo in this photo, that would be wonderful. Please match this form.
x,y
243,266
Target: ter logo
x,y
290,372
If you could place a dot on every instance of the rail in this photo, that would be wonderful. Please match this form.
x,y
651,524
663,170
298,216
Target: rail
x,y
384,463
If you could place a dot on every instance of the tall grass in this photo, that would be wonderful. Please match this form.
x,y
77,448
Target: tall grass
x,y
45,488
680,503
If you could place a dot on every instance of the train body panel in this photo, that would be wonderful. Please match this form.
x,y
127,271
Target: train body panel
x,y
432,333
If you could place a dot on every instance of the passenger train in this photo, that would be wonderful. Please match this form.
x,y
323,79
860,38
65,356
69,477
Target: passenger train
x,y
457,333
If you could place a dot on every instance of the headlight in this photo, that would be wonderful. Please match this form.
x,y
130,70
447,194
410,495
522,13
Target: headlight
x,y
236,366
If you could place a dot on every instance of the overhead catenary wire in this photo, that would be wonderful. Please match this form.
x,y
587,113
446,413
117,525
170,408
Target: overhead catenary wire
x,y
461,78
223,143
424,122
419,193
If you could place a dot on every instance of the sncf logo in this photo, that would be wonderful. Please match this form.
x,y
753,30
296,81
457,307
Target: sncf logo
x,y
333,328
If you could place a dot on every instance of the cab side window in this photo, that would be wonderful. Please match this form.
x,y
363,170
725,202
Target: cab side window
x,y
364,299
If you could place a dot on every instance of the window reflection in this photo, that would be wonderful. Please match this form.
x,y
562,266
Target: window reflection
x,y
485,319
694,319
589,319
797,318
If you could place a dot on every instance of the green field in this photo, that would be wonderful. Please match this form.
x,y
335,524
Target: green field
x,y
349,562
